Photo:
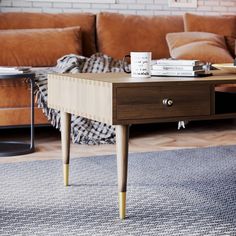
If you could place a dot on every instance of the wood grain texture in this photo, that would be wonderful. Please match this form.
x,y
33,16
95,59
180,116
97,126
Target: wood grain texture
x,y
122,144
65,144
87,98
125,79
147,102
65,136
116,98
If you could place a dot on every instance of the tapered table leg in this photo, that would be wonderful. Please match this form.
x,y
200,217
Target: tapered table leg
x,y
65,143
122,139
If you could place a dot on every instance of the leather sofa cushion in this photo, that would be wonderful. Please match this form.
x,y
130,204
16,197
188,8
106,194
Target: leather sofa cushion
x,y
21,117
86,21
118,34
207,47
14,93
231,44
222,25
38,47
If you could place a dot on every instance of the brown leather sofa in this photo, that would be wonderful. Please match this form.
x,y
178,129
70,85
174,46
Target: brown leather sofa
x,y
109,33
15,96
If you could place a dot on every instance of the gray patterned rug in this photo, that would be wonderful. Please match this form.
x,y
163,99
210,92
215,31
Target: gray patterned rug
x,y
181,192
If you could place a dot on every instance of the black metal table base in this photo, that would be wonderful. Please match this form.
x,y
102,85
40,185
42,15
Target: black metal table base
x,y
15,148
8,148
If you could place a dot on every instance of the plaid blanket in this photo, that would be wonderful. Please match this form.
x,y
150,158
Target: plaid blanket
x,y
83,130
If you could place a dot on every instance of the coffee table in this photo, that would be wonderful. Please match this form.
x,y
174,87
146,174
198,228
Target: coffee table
x,y
117,99
13,148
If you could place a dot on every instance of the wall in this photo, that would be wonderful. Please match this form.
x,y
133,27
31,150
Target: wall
x,y
145,7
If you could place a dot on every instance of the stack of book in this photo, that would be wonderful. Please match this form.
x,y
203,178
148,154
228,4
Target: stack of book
x,y
167,67
5,70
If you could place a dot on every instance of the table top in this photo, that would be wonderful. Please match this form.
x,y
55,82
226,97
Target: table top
x,y
124,78
116,98
30,75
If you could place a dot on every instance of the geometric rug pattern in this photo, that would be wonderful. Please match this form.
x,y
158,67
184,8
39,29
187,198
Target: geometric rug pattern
x,y
177,192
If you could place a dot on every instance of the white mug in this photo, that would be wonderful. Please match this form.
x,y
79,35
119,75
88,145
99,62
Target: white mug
x,y
140,64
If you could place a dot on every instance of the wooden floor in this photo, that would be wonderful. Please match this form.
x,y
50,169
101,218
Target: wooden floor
x,y
143,138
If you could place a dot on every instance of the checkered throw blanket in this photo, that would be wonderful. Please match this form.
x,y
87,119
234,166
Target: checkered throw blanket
x,y
83,130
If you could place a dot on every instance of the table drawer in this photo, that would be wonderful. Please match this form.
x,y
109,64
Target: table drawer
x,y
136,103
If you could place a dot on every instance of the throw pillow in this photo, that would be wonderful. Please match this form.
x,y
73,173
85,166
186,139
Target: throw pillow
x,y
38,47
222,25
207,47
31,20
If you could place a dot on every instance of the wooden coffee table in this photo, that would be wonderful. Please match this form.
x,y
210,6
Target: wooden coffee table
x,y
117,99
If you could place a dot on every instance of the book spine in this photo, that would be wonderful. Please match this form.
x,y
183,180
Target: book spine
x,y
177,63
20,68
11,72
178,68
175,73
8,69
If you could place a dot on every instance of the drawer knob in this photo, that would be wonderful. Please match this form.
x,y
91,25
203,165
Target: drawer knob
x,y
168,102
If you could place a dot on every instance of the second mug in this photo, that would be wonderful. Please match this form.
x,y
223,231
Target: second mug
x,y
140,64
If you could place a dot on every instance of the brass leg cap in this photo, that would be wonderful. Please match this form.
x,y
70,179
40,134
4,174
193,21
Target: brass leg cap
x,y
122,204
66,174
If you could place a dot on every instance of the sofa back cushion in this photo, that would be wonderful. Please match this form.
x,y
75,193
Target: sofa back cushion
x,y
207,47
38,47
222,25
46,20
118,34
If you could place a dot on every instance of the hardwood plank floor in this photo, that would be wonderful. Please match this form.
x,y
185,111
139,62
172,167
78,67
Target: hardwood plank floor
x,y
143,138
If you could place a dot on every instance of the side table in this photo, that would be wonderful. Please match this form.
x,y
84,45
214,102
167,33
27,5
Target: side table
x,y
13,148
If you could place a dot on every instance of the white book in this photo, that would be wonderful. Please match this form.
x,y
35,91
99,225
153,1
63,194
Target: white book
x,y
178,68
13,69
12,72
176,73
171,62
